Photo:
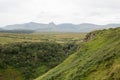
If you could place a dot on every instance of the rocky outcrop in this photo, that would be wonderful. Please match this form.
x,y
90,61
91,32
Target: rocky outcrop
x,y
89,37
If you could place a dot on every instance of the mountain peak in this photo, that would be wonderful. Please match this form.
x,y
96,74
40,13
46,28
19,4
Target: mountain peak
x,y
52,23
32,23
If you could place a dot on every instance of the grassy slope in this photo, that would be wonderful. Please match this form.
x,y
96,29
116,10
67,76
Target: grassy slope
x,y
98,59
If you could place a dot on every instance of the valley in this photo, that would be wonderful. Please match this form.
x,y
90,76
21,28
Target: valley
x,y
41,37
59,39
26,56
60,56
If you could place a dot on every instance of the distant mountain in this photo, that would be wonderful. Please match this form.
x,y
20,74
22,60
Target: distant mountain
x,y
1,29
26,26
65,27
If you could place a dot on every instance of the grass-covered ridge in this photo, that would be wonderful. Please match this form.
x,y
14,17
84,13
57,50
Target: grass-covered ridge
x,y
97,59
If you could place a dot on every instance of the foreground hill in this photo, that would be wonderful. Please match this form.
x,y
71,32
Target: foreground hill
x,y
97,59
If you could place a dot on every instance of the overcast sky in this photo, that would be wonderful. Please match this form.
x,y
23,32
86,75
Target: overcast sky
x,y
59,11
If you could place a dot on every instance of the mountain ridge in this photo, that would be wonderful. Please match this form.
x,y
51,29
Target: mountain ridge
x,y
64,27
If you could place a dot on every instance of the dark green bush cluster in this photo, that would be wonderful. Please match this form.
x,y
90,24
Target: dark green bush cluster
x,y
27,57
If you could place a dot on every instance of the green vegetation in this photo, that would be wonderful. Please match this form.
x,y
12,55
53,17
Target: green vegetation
x,y
28,60
97,59
16,31
26,56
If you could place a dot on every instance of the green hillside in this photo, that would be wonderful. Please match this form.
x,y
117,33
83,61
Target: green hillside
x,y
97,59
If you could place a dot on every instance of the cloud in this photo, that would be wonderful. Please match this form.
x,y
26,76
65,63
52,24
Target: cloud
x,y
10,5
59,11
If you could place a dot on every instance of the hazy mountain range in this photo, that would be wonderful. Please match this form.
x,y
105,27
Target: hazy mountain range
x,y
52,27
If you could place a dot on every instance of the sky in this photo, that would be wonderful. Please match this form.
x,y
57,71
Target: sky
x,y
59,11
